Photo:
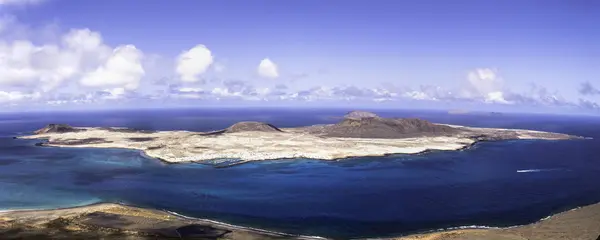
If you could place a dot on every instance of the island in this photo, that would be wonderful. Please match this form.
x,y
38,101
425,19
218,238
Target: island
x,y
357,134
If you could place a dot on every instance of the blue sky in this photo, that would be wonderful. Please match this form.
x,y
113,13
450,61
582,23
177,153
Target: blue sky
x,y
494,55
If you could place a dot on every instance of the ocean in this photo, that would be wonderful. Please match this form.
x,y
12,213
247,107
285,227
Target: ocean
x,y
493,184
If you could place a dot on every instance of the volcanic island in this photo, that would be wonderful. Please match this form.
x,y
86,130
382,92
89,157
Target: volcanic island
x,y
357,134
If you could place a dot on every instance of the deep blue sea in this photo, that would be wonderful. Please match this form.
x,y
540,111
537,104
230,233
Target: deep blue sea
x,y
492,184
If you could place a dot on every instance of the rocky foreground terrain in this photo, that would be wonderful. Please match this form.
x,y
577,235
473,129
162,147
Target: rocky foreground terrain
x,y
113,221
357,134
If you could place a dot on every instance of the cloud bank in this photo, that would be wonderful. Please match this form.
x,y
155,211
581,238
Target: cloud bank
x,y
80,68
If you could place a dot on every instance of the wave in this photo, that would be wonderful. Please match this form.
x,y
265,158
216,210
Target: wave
x,y
538,170
244,228
45,208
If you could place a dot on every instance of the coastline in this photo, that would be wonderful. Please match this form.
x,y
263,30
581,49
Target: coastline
x,y
358,134
577,223
185,147
40,220
581,222
465,146
143,153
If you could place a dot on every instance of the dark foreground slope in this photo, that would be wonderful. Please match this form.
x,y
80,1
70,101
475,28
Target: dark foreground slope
x,y
577,224
111,221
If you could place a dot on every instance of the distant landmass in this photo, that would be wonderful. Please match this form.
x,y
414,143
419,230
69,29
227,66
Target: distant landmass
x,y
462,111
357,134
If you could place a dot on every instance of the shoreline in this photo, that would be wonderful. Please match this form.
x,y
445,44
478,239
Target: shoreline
x,y
38,214
256,141
39,218
143,152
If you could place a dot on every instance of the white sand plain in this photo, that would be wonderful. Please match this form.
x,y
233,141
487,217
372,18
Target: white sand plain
x,y
185,146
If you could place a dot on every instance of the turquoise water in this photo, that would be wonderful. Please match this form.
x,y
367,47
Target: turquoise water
x,y
493,184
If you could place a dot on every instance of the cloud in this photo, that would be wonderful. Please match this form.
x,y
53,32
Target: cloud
x,y
586,88
115,93
189,93
192,63
85,41
541,95
586,104
24,64
487,84
496,97
240,89
79,67
267,69
428,92
81,54
484,80
19,2
15,96
122,70
228,89
339,93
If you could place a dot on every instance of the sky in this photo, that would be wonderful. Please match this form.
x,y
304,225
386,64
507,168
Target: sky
x,y
496,55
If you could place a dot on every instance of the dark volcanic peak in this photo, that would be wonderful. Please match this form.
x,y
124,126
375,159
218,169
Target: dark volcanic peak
x,y
368,126
360,115
252,126
57,128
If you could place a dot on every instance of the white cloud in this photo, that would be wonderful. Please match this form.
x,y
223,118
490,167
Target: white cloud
x,y
418,95
15,96
81,54
484,81
496,97
123,69
486,84
115,93
190,90
267,69
24,64
194,62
